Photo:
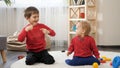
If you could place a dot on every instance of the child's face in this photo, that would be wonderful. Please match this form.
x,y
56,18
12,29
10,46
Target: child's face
x,y
79,29
34,18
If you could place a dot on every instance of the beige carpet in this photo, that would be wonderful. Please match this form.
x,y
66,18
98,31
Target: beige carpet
x,y
60,61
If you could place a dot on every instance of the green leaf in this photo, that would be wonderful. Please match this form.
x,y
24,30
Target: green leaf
x,y
7,2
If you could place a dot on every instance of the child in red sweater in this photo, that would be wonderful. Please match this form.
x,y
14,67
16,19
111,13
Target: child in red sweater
x,y
83,46
34,34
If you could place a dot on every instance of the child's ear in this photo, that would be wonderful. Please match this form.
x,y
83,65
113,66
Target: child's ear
x,y
26,18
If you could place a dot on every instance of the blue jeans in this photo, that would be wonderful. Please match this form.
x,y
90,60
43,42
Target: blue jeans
x,y
76,61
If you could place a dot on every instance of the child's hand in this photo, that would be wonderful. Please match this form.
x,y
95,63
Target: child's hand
x,y
45,31
30,27
68,53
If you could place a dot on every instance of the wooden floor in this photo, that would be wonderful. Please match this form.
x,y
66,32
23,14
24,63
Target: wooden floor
x,y
12,56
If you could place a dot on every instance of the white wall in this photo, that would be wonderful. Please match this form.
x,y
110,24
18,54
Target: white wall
x,y
108,22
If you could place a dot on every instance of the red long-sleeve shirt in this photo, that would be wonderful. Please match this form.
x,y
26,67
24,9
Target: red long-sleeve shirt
x,y
35,38
83,47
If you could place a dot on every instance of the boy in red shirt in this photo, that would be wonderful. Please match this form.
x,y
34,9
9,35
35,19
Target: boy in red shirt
x,y
34,34
83,46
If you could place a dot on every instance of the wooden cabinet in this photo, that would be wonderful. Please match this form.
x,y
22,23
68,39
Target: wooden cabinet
x,y
82,10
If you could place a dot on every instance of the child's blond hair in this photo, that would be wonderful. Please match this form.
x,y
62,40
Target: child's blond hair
x,y
86,26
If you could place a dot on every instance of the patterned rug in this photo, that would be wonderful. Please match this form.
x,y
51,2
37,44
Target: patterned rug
x,y
60,61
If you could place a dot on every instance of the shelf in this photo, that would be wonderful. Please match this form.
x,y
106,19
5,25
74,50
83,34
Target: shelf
x,y
91,6
82,12
76,6
72,32
77,19
91,19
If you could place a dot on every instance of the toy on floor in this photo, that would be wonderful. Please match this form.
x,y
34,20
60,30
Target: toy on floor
x,y
116,62
20,57
95,65
63,51
104,59
111,63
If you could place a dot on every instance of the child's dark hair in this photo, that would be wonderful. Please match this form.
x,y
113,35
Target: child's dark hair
x,y
29,11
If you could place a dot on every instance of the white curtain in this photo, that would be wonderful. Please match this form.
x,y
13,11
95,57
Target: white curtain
x,y
12,19
7,21
57,19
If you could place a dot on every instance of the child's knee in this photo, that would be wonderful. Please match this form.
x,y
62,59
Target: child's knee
x,y
49,60
68,61
29,62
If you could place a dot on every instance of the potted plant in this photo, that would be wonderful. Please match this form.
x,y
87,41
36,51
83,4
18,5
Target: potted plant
x,y
7,2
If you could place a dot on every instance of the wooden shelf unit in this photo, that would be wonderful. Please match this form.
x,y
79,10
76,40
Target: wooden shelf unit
x,y
82,10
